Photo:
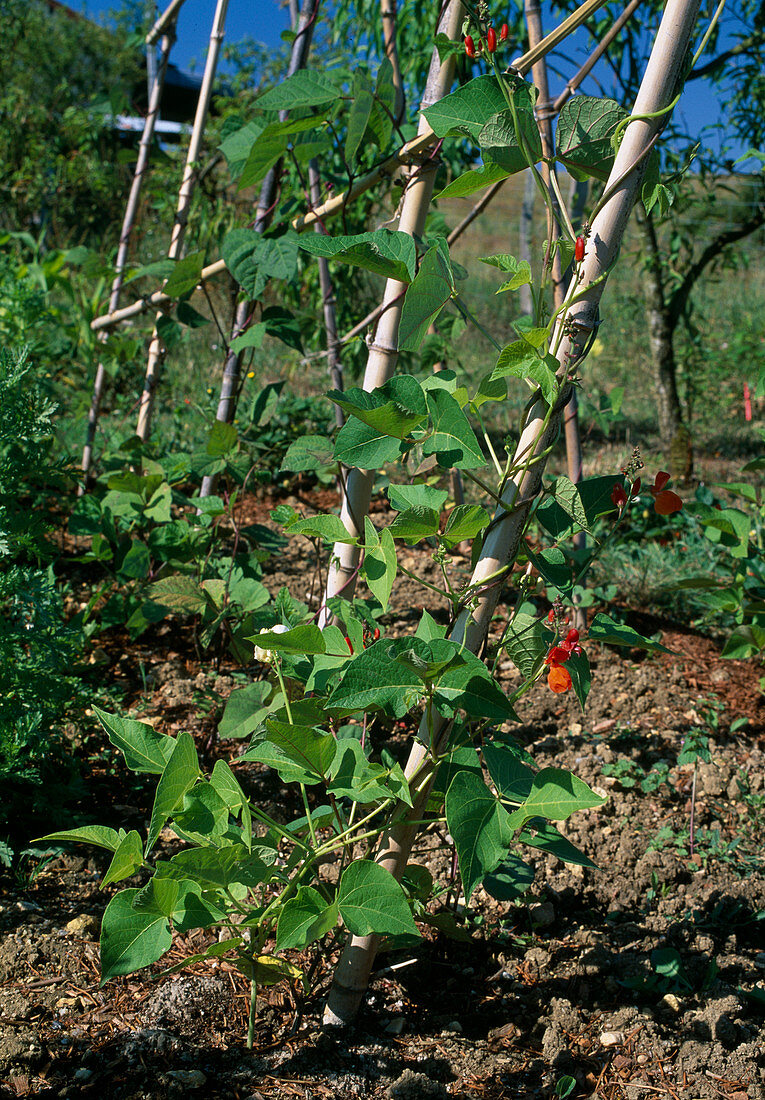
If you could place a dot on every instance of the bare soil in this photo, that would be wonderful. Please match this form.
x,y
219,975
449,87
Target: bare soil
x,y
562,985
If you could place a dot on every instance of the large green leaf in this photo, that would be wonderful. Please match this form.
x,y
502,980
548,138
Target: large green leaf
x,y
453,441
179,775
468,686
510,880
367,448
512,778
131,939
100,835
306,638
603,629
467,110
432,288
464,522
403,497
556,794
144,749
474,180
519,360
127,859
254,259
538,833
270,145
185,276
304,919
480,826
414,524
380,562
356,778
244,710
386,252
220,868
306,746
393,409
498,140
309,453
305,88
328,528
375,681
585,127
370,900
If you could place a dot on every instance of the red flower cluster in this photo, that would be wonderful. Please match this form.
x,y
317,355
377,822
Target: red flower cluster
x,y
491,41
665,502
559,678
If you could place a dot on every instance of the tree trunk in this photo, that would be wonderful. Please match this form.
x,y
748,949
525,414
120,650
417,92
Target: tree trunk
x,y
673,431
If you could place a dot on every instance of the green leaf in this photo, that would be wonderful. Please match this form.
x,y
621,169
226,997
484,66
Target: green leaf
x,y
282,324
414,524
180,774
222,439
362,101
480,826
203,817
499,141
511,879
553,566
512,778
464,522
127,859
744,642
310,452
244,710
567,495
136,565
354,777
373,680
185,276
538,833
254,259
371,901
100,835
520,360
305,88
131,939
603,629
252,338
520,270
467,110
329,528
393,409
556,794
469,686
305,918
453,440
144,749
474,180
524,643
385,252
380,562
578,666
585,127
432,288
309,748
366,448
220,868
595,494
403,497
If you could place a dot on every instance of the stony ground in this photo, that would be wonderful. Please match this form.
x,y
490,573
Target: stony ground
x,y
563,987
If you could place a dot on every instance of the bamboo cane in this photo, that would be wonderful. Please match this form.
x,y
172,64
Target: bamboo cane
x,y
131,208
383,353
501,545
168,17
232,367
185,194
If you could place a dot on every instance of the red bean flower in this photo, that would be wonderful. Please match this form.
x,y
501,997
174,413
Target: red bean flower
x,y
491,40
559,678
469,45
665,502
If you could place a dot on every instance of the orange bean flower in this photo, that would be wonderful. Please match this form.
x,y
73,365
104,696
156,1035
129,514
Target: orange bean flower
x,y
559,679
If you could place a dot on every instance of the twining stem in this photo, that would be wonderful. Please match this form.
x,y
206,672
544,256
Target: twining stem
x,y
253,1013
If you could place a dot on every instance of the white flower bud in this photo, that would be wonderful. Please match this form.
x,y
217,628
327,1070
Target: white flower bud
x,y
265,656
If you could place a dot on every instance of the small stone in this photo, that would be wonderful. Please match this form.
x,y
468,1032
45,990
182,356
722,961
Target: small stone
x,y
542,914
455,1026
642,1059
670,1001
396,1026
189,1078
83,1074
85,925
611,1038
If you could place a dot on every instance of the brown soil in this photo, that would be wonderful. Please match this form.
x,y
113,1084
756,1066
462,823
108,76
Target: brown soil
x,y
560,986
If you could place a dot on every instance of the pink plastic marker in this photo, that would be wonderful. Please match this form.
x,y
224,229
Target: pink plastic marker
x,y
747,403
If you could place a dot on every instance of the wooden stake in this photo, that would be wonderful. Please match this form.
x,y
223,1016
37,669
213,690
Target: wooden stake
x,y
185,194
131,208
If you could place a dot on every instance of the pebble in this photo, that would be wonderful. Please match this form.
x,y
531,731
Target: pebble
x,y
543,914
455,1026
611,1038
85,925
190,1078
670,1001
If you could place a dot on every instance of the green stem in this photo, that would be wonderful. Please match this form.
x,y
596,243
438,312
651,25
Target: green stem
x,y
278,671
253,1012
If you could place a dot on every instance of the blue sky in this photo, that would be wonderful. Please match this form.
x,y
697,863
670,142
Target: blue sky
x,y
265,20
